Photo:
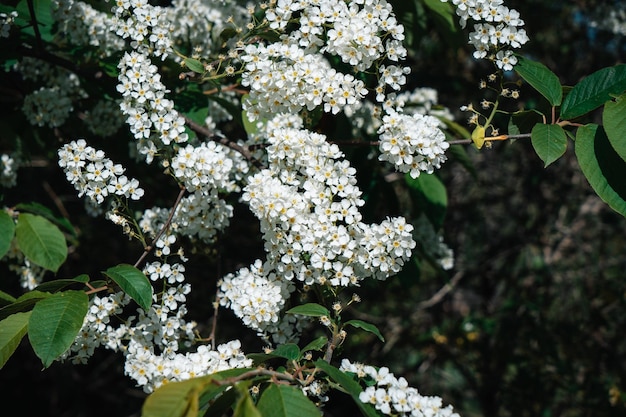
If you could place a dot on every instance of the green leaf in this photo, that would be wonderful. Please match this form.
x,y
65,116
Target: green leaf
x,y
444,12
12,330
317,344
245,406
7,232
194,65
61,284
23,303
602,166
42,9
310,309
614,120
350,385
175,399
431,196
43,211
368,327
54,323
286,401
41,241
541,79
549,141
6,299
133,282
593,91
289,351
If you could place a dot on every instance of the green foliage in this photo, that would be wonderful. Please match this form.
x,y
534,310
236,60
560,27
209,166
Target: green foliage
x,y
41,241
541,78
310,309
12,330
7,232
368,327
614,121
133,282
54,323
549,141
285,401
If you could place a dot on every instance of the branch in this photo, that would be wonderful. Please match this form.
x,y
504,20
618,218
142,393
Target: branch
x,y
443,291
490,139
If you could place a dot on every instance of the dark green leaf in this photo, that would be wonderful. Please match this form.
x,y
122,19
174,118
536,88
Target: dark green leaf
x,y
41,241
317,344
289,351
23,303
43,211
310,309
194,65
444,13
133,282
541,79
549,141
614,120
593,91
61,284
602,166
286,401
6,299
12,330
7,232
55,322
349,385
431,196
368,327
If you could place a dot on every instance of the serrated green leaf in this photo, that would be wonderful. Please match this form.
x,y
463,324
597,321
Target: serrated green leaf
x,y
24,303
431,196
133,282
41,241
286,401
12,330
368,327
549,141
593,91
54,323
541,79
601,165
614,121
317,344
310,309
7,232
194,65
350,385
289,351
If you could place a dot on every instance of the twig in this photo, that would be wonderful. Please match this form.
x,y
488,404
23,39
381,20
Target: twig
x,y
443,291
167,224
490,139
31,10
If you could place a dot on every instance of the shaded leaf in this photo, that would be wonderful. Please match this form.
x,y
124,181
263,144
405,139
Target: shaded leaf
x,y
286,401
368,327
317,344
133,282
310,309
54,323
614,121
194,65
41,241
61,284
7,232
12,330
541,79
43,211
602,167
24,303
431,196
593,91
245,406
549,141
289,351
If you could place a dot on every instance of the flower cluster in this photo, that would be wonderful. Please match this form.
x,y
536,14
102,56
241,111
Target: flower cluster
x,y
151,116
393,396
104,118
6,21
8,174
497,30
95,175
145,25
413,143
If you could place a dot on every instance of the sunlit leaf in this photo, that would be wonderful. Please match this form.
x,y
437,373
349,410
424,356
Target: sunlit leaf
x,y
286,401
310,309
41,241
593,91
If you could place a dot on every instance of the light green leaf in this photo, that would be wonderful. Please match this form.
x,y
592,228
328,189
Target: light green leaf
x,y
549,141
593,91
133,282
614,120
41,241
54,323
289,351
175,399
350,385
6,299
7,232
194,65
541,79
310,309
12,330
43,211
368,327
286,401
317,344
602,166
245,406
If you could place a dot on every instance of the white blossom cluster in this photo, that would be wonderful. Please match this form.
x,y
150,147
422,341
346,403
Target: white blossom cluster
x,y
393,396
84,25
95,175
285,78
498,29
30,274
6,21
145,25
610,17
151,116
104,118
8,174
413,143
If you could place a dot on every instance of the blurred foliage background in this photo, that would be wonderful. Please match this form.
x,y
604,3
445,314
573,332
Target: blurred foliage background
x,y
530,321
